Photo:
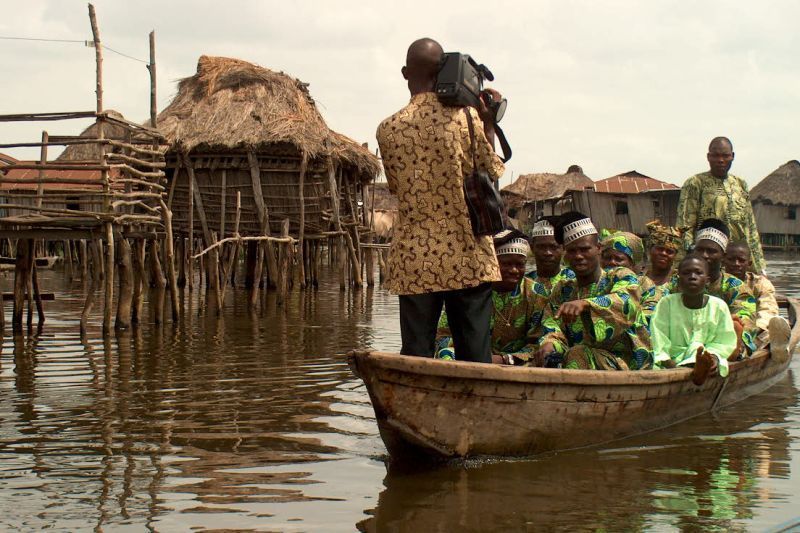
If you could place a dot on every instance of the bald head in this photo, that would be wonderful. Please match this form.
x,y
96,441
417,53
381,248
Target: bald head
x,y
720,142
422,65
720,156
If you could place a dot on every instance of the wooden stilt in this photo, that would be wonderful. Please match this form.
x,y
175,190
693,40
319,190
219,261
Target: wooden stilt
x,y
157,278
283,268
125,300
370,262
341,258
257,274
139,275
181,254
234,252
213,272
169,257
84,262
68,259
302,232
250,264
20,282
263,216
108,303
93,281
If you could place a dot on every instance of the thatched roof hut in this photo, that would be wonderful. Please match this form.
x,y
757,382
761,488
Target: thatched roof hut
x,y
233,123
781,187
544,185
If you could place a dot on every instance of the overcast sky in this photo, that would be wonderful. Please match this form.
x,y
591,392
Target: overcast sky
x,y
610,85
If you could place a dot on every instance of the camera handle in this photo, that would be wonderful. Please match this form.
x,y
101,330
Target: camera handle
x,y
503,143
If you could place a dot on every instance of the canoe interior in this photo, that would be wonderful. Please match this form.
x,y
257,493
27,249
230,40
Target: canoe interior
x,y
445,409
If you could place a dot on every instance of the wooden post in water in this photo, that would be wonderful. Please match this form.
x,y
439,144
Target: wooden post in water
x,y
139,276
84,262
301,233
125,300
20,283
283,268
169,253
93,280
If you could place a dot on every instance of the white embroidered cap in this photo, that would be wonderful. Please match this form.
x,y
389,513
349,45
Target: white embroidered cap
x,y
543,229
580,228
515,246
713,235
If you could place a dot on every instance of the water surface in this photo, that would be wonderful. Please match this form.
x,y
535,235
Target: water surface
x,y
254,422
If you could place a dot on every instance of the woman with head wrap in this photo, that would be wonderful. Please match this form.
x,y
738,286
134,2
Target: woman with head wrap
x,y
621,249
518,309
665,242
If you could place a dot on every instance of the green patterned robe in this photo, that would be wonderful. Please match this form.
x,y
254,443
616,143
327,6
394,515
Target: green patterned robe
x,y
516,322
706,196
547,283
612,324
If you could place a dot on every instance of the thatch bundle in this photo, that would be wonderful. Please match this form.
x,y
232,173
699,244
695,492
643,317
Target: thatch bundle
x,y
542,186
231,105
781,187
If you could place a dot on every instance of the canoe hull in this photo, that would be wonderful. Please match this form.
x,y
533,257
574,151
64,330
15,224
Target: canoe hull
x,y
450,409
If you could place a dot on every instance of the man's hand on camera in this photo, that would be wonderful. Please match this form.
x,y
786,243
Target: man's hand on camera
x,y
486,114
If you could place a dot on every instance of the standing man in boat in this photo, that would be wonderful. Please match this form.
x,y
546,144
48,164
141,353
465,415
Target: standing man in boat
x,y
547,254
718,194
592,320
435,259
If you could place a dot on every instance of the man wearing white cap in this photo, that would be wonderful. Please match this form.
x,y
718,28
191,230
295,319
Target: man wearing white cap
x,y
517,309
711,241
592,320
547,254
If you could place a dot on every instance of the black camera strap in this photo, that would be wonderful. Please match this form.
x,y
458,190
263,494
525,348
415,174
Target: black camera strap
x,y
503,143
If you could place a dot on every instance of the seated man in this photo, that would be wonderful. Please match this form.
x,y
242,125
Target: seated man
x,y
547,254
516,322
592,320
621,249
692,328
772,328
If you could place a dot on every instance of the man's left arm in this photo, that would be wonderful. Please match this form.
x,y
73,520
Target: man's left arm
x,y
753,237
387,157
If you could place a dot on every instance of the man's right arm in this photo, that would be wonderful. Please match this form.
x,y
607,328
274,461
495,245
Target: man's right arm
x,y
484,150
387,157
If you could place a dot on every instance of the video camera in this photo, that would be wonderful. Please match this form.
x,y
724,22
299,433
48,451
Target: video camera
x,y
460,83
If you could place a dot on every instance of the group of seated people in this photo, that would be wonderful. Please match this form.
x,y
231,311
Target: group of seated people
x,y
591,303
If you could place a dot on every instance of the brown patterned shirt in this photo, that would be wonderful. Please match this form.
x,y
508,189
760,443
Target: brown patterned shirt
x,y
426,154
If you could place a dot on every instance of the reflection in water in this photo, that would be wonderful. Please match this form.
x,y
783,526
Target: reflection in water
x,y
254,422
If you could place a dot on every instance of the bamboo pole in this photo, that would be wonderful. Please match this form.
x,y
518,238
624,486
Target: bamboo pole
x,y
125,300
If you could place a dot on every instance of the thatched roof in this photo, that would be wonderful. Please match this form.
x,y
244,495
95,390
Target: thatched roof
x,y
384,199
541,186
91,152
230,105
781,187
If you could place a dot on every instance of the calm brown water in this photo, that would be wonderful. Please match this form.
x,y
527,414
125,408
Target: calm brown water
x,y
253,422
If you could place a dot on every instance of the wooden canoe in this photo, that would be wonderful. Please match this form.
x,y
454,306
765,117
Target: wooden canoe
x,y
449,409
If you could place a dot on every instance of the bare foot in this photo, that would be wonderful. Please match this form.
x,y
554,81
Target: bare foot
x,y
779,333
704,363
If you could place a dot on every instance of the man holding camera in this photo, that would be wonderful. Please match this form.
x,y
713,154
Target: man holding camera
x,y
435,259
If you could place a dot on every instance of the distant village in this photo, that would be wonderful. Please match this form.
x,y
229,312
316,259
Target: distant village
x,y
629,200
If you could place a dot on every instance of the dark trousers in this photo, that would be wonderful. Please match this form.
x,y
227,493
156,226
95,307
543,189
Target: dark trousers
x,y
468,314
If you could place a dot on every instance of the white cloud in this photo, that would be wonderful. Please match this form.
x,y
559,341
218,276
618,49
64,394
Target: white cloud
x,y
612,85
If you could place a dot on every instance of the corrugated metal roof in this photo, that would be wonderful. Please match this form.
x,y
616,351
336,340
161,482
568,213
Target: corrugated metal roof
x,y
632,183
20,173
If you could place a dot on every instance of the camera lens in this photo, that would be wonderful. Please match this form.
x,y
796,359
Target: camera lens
x,y
501,110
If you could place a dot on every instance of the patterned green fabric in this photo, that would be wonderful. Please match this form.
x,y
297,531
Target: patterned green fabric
x,y
613,323
624,242
516,322
547,283
730,289
706,196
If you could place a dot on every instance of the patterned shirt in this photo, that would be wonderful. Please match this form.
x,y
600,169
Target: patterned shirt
x,y
706,196
764,292
516,322
612,322
426,154
547,283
